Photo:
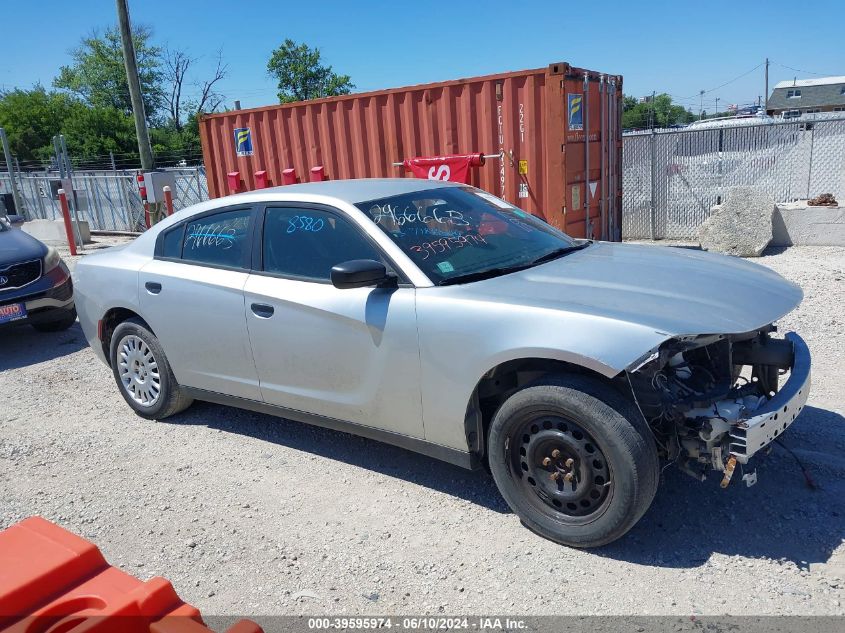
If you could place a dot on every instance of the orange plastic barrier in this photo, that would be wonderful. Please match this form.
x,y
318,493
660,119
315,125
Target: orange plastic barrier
x,y
52,580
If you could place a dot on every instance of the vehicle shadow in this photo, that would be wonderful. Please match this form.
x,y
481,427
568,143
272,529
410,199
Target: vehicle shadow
x,y
474,486
781,517
22,346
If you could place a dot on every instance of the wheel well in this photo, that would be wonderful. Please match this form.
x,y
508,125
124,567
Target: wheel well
x,y
498,384
110,321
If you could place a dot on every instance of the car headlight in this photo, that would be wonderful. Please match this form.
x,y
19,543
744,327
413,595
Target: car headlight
x,y
51,259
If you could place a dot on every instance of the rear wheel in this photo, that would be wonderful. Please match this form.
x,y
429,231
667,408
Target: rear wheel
x,y
143,373
574,460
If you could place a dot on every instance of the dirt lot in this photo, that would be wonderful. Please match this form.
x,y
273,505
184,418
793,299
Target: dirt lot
x,y
245,513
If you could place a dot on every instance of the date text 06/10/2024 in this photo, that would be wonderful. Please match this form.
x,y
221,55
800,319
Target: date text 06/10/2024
x,y
421,623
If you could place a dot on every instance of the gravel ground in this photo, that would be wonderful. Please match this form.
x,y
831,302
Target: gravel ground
x,y
246,513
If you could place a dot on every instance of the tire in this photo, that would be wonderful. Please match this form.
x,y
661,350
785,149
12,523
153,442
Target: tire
x,y
136,356
574,460
58,323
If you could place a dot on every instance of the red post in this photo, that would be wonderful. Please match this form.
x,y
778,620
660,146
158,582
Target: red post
x,y
261,179
142,189
147,214
234,180
318,174
168,200
71,241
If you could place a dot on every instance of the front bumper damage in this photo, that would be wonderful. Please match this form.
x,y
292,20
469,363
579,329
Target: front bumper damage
x,y
714,401
769,421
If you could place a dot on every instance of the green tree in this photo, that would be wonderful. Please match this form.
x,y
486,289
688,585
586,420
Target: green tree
x,y
31,118
93,109
91,133
301,74
659,112
98,76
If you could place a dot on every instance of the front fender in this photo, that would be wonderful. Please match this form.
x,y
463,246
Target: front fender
x,y
461,341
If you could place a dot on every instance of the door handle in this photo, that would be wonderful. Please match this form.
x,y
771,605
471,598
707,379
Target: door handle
x,y
262,310
153,287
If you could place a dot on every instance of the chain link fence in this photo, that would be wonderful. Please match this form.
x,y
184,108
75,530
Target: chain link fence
x,y
108,200
671,178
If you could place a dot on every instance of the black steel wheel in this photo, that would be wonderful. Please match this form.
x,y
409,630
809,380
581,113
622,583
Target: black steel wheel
x,y
574,460
561,467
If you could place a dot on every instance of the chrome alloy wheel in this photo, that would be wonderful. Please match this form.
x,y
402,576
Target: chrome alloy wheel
x,y
138,370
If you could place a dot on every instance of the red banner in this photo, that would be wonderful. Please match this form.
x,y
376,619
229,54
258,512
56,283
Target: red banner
x,y
452,168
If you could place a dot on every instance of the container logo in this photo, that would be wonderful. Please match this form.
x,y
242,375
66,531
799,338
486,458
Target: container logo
x,y
243,141
575,111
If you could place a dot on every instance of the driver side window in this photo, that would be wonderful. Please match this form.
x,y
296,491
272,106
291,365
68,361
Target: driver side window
x,y
301,242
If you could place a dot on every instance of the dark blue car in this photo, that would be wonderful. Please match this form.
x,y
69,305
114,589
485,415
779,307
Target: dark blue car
x,y
35,284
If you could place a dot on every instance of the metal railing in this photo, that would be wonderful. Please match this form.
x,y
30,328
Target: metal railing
x,y
108,200
672,178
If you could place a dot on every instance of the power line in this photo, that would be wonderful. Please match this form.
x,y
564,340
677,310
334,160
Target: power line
x,y
735,79
798,70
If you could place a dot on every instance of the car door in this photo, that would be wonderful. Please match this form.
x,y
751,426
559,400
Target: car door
x,y
191,295
347,354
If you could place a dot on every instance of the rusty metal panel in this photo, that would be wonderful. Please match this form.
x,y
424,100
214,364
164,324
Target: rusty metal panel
x,y
521,116
592,148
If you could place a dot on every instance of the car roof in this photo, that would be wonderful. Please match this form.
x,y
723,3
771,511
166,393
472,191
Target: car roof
x,y
361,189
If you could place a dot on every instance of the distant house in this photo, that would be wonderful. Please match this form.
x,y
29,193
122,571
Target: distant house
x,y
791,99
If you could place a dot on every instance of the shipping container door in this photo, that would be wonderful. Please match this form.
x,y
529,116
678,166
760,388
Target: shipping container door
x,y
590,154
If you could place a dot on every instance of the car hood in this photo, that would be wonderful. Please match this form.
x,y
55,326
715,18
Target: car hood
x,y
675,291
17,246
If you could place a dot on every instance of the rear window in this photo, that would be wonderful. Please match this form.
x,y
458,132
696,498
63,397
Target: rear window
x,y
172,242
220,239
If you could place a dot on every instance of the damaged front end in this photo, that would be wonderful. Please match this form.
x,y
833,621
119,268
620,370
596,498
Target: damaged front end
x,y
713,401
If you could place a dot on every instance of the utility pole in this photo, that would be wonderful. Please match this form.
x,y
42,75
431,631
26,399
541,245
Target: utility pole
x,y
10,167
701,105
767,84
717,107
651,116
132,79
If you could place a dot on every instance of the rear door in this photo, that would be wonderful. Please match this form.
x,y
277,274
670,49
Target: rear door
x,y
347,354
192,295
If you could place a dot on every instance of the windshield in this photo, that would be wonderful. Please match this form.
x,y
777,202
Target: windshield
x,y
459,234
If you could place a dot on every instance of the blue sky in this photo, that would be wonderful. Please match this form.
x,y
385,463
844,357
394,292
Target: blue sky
x,y
674,47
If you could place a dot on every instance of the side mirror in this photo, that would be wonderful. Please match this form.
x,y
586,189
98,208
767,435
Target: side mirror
x,y
360,273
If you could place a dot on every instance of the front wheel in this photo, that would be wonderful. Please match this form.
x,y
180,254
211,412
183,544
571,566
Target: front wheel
x,y
143,374
574,460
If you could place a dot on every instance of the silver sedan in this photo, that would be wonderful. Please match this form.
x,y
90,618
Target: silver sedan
x,y
441,319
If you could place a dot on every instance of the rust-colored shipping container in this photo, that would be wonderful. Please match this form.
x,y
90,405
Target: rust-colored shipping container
x,y
543,126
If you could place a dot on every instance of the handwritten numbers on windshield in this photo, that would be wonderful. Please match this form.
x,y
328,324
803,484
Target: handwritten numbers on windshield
x,y
389,215
435,247
304,223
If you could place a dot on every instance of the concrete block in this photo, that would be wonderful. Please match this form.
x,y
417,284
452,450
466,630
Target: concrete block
x,y
796,224
740,226
53,231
